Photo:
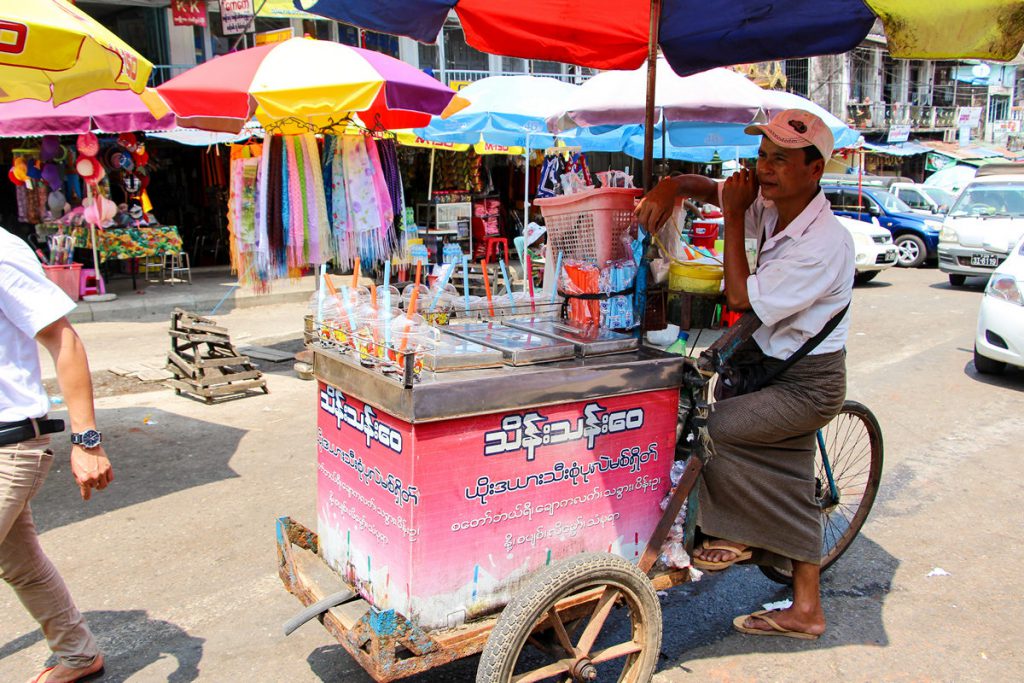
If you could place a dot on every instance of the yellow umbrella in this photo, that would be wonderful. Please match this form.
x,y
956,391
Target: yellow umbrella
x,y
50,50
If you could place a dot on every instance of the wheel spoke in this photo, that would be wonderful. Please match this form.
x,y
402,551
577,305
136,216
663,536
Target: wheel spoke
x,y
545,672
560,632
615,651
597,619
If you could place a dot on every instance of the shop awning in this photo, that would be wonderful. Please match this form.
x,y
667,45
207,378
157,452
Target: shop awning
x,y
955,151
900,149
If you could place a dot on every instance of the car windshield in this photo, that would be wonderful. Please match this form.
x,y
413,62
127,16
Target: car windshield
x,y
891,202
941,197
991,199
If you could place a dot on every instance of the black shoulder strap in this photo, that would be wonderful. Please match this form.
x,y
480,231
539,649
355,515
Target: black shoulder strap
x,y
808,345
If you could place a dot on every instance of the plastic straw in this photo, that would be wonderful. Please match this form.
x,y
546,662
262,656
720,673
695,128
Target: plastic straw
x,y
558,274
387,303
330,285
351,314
487,288
373,296
508,285
529,278
355,274
445,276
412,303
320,294
465,282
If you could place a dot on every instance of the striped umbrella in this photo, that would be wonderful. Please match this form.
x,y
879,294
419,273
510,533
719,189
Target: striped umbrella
x,y
303,85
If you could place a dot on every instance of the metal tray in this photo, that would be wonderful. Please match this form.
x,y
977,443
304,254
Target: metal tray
x,y
455,353
587,342
518,347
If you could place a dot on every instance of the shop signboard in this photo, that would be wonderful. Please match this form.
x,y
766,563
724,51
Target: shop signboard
x,y
188,12
968,116
898,132
445,521
936,162
236,16
278,36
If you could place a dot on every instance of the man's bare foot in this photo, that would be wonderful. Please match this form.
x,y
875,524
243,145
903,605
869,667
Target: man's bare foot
x,y
791,619
719,551
65,674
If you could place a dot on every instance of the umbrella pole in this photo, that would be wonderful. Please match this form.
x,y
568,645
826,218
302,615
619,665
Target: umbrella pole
x,y
526,183
652,61
430,178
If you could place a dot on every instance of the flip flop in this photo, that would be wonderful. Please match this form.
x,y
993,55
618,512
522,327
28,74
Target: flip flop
x,y
44,675
707,565
777,630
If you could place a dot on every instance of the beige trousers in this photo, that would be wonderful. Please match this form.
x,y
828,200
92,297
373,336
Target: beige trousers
x,y
23,565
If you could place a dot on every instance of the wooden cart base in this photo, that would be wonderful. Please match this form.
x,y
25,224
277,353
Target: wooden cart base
x,y
387,645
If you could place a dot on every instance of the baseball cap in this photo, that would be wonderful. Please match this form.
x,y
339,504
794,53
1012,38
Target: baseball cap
x,y
794,128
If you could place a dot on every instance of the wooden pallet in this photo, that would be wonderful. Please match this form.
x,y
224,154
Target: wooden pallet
x,y
205,363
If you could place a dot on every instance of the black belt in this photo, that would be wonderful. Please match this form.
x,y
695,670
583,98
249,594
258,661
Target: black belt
x,y
26,430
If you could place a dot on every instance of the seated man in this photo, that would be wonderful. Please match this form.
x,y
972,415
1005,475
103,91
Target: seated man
x,y
757,499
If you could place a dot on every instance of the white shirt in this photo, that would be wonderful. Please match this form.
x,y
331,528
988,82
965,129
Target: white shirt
x,y
804,276
28,303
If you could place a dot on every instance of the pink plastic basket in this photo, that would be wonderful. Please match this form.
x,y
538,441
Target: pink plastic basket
x,y
65,277
588,225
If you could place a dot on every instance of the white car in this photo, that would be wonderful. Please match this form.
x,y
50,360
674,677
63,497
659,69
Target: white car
x,y
1000,336
925,198
874,248
982,227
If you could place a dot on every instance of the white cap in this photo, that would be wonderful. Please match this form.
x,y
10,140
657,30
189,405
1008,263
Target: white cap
x,y
533,232
794,128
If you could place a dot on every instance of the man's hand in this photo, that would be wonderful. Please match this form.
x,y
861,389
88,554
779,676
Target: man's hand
x,y
656,208
91,468
739,192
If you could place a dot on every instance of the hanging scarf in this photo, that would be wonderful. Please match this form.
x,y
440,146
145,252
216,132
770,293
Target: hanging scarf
x,y
320,226
364,211
342,227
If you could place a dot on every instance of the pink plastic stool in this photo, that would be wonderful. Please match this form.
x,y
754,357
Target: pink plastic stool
x,y
90,284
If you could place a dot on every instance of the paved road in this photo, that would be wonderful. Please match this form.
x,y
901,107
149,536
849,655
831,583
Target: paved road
x,y
175,565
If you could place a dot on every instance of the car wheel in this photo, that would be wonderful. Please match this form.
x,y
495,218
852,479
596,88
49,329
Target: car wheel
x,y
911,251
957,280
987,366
866,276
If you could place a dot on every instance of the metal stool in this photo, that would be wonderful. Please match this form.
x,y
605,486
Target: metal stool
x,y
174,265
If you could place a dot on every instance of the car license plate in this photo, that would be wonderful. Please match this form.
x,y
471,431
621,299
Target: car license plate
x,y
890,254
985,260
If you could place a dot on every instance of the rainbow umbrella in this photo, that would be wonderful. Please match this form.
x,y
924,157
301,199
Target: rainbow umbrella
x,y
303,85
50,50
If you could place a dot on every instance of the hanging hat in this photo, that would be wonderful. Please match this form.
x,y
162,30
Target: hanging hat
x,y
51,175
13,177
90,169
132,184
128,141
48,148
88,144
35,172
60,155
20,169
127,163
56,202
141,157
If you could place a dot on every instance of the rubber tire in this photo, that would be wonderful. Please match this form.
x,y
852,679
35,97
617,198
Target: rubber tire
x,y
866,276
987,366
922,251
867,500
957,280
557,581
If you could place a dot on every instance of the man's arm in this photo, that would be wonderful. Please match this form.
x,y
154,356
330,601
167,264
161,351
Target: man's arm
x,y
738,193
90,466
656,208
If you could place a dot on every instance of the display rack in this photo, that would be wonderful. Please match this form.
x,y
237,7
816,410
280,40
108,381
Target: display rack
x,y
451,221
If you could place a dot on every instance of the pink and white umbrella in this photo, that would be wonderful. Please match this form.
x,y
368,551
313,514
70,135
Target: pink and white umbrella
x,y
105,111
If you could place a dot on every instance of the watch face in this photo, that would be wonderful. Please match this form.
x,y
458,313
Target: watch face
x,y
91,438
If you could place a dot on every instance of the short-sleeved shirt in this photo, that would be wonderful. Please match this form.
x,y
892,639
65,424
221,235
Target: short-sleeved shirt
x,y
28,303
804,277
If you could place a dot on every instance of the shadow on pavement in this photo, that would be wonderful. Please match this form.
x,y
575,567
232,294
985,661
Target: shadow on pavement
x,y
131,642
154,453
697,618
1010,378
974,285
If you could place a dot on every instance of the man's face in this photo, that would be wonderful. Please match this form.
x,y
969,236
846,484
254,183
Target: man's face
x,y
784,173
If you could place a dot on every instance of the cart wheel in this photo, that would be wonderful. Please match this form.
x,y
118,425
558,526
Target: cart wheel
x,y
534,641
853,442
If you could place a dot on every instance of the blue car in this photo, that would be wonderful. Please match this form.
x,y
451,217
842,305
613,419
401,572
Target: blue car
x,y
916,234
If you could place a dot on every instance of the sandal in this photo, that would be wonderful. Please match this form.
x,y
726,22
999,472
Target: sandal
x,y
89,674
777,630
708,565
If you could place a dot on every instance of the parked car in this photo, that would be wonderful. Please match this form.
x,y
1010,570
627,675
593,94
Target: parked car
x,y
934,200
916,235
874,250
981,229
1000,335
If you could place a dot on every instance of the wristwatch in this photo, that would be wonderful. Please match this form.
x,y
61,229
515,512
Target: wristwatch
x,y
90,438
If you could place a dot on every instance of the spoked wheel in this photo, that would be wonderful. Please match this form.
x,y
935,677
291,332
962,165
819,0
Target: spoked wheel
x,y
853,444
593,617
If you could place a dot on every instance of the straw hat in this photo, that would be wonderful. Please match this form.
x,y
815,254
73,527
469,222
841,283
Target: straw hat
x,y
88,144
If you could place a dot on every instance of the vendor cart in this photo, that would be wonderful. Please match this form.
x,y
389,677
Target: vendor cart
x,y
508,496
